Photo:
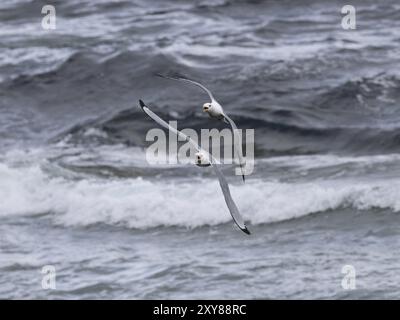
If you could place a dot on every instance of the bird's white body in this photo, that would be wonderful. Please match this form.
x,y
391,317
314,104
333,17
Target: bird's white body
x,y
214,110
202,160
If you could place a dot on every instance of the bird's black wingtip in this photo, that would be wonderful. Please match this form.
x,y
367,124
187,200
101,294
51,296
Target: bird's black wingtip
x,y
246,231
141,104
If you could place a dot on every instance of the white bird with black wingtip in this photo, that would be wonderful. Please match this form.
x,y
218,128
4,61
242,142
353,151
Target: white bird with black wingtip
x,y
215,110
204,159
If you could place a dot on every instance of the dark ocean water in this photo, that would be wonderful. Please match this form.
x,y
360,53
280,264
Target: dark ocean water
x,y
76,191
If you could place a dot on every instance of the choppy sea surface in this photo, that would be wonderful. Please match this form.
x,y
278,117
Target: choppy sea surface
x,y
77,193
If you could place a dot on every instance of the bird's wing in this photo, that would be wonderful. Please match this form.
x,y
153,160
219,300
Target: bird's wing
x,y
161,122
238,144
183,136
189,81
229,201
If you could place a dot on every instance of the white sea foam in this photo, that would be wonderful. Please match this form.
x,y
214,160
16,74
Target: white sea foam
x,y
139,203
304,162
34,60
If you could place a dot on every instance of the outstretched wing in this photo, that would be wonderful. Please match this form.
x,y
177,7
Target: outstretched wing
x,y
238,144
189,81
183,136
161,122
229,201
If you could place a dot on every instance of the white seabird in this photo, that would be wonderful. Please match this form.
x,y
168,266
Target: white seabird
x,y
204,159
215,110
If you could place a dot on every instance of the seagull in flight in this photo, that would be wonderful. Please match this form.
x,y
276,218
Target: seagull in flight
x,y
215,110
204,159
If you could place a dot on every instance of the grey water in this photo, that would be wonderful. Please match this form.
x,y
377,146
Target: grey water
x,y
77,193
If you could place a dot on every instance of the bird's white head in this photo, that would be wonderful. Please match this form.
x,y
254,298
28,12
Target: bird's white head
x,y
207,107
201,160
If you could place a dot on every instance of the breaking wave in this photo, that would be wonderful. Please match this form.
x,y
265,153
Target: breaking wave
x,y
140,203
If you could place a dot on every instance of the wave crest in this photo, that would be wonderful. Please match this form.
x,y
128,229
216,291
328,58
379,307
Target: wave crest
x,y
142,204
